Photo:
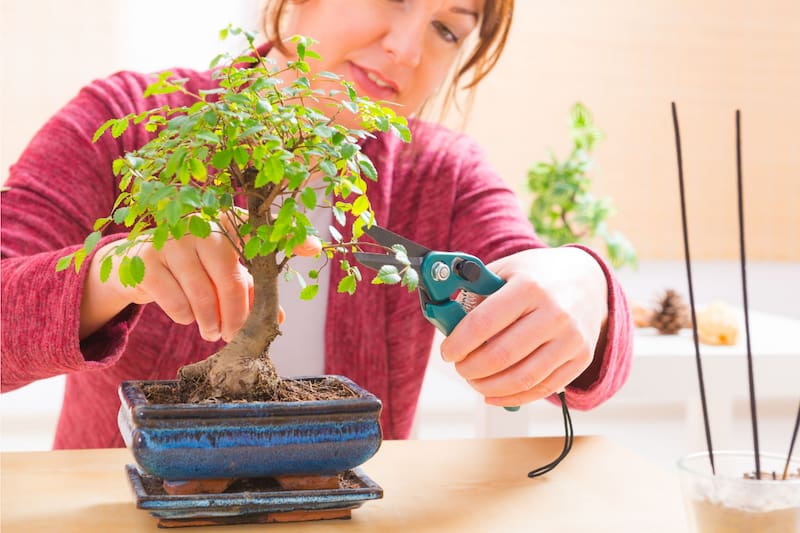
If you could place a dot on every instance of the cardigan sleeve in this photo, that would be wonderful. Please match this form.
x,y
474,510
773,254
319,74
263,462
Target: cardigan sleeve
x,y
61,184
488,221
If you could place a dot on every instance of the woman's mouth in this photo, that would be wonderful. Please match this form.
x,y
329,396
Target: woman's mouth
x,y
371,83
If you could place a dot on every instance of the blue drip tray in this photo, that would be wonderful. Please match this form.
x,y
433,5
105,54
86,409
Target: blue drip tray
x,y
250,497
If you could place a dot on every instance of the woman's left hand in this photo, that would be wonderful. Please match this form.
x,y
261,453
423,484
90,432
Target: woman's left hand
x,y
537,333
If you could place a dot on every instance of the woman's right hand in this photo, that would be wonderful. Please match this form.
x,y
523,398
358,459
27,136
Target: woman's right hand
x,y
191,279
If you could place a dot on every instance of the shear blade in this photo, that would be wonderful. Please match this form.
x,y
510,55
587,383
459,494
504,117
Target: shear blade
x,y
388,238
376,261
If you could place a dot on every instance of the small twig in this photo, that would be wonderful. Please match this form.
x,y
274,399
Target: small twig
x,y
743,262
791,444
240,248
698,361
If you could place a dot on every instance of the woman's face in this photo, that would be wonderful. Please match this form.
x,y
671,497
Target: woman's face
x,y
394,50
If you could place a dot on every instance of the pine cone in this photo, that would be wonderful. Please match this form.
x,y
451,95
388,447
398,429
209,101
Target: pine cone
x,y
671,314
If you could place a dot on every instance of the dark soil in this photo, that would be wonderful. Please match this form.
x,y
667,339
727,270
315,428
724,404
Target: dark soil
x,y
289,390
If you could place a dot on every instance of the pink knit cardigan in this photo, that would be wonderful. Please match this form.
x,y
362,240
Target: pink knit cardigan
x,y
439,191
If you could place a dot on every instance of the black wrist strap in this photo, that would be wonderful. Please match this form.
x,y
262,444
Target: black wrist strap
x,y
568,438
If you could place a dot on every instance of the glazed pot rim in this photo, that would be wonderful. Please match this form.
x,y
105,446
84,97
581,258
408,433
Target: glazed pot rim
x,y
132,393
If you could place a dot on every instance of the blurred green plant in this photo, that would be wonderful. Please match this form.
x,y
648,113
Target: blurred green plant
x,y
564,210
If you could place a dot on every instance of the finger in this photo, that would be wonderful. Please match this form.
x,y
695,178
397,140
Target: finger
x,y
529,372
554,383
311,247
161,287
486,320
523,337
231,282
193,279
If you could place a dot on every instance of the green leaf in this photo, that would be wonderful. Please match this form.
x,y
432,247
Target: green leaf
x,y
119,127
401,254
241,156
179,229
105,268
325,132
198,170
210,199
335,235
388,274
222,159
80,256
210,117
173,211
252,130
91,241
313,274
309,292
199,227
239,99
175,161
100,222
350,106
137,269
160,236
410,279
131,271
208,136
271,172
348,149
296,173
360,205
251,248
328,75
402,131
102,129
328,168
117,166
368,168
309,197
64,262
347,284
339,215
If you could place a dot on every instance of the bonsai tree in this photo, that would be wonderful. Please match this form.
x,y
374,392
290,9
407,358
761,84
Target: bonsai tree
x,y
564,210
255,137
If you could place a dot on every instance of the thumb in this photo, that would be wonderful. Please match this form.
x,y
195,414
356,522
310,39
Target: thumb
x,y
311,247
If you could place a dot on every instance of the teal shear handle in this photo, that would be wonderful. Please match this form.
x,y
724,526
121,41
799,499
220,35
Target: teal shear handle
x,y
444,273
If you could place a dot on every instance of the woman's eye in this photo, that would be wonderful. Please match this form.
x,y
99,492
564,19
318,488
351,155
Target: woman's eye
x,y
444,32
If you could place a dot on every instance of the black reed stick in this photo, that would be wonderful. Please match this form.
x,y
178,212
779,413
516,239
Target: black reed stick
x,y
743,262
791,444
691,290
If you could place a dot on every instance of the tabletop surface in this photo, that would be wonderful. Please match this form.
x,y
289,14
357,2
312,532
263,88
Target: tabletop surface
x,y
429,486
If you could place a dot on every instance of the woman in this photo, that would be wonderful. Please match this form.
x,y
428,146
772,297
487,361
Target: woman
x,y
560,321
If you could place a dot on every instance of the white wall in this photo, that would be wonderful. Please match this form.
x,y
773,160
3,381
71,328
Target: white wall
x,y
52,48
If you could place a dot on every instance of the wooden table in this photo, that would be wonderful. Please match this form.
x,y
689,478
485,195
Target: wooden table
x,y
429,486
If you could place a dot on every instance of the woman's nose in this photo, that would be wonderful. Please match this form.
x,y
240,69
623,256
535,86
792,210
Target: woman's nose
x,y
404,40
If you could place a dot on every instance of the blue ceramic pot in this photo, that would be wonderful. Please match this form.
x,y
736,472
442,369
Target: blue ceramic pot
x,y
180,442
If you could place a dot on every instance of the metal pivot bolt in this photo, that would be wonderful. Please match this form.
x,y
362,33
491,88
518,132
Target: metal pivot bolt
x,y
440,271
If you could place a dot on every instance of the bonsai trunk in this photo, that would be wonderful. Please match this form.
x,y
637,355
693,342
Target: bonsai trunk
x,y
242,370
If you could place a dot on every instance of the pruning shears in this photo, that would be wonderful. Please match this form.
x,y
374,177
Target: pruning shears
x,y
441,274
